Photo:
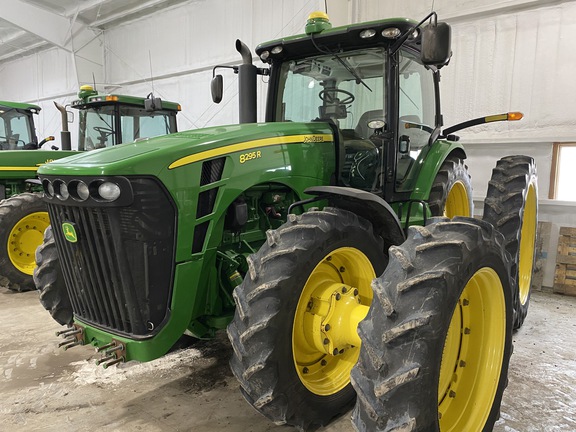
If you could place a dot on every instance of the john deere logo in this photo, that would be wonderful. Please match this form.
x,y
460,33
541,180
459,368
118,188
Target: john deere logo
x,y
69,232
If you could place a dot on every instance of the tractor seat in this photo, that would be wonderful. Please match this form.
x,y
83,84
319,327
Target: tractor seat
x,y
362,128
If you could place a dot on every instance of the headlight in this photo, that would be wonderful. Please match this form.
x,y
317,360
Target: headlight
x,y
62,191
82,191
48,188
109,191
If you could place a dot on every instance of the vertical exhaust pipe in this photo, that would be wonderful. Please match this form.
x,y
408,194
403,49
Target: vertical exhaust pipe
x,y
66,141
247,74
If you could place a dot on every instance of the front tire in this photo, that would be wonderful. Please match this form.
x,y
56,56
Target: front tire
x,y
511,205
437,341
294,331
50,281
23,220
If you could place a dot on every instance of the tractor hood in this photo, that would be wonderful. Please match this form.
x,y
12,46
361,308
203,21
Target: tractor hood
x,y
154,155
22,164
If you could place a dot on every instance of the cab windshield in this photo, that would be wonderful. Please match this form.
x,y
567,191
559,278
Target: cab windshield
x,y
16,130
98,125
346,89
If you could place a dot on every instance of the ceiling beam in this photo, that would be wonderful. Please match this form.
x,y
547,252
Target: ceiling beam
x,y
53,28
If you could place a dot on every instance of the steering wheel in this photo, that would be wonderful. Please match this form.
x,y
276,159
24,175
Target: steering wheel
x,y
103,131
330,96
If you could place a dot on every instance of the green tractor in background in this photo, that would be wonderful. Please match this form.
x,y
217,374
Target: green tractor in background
x,y
281,231
105,120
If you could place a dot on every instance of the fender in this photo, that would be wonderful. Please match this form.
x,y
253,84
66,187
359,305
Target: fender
x,y
367,205
433,160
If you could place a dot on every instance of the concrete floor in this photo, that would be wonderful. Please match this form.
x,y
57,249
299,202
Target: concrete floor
x,y
46,389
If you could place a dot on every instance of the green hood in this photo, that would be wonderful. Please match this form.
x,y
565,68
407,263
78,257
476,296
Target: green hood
x,y
151,156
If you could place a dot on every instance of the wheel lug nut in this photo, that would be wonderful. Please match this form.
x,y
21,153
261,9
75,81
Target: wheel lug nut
x,y
344,290
327,327
465,302
305,370
326,341
342,269
335,352
462,363
466,330
323,362
355,291
338,296
452,394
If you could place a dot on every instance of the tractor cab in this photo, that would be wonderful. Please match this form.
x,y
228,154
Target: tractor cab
x,y
375,84
110,119
374,87
17,130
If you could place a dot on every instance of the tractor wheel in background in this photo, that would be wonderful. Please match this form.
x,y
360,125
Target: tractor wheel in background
x,y
294,331
23,219
50,281
451,193
437,341
511,205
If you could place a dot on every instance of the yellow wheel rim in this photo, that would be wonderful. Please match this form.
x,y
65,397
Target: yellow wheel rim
x,y
24,238
527,244
335,298
457,201
473,355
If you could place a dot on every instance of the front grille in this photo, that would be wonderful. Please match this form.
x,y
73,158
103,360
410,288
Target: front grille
x,y
119,272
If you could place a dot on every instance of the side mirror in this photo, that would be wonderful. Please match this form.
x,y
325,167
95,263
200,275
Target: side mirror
x,y
436,44
217,88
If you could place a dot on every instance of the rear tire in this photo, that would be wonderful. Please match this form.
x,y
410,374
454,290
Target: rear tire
x,y
437,341
50,281
512,207
451,193
292,350
23,220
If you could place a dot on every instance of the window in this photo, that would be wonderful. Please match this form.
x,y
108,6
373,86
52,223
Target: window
x,y
563,175
416,105
337,88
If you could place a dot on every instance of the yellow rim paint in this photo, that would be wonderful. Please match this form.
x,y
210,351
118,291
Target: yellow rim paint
x,y
335,298
26,235
244,146
527,244
457,201
473,355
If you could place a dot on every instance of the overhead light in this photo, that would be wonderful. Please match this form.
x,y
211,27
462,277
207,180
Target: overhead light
x,y
391,32
264,56
367,34
277,49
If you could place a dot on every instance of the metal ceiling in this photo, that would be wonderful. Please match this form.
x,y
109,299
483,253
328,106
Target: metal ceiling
x,y
27,26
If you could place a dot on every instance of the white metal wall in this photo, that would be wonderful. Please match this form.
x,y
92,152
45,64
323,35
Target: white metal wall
x,y
507,55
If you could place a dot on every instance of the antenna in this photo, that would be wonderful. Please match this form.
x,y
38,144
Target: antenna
x,y
151,74
432,9
94,80
326,6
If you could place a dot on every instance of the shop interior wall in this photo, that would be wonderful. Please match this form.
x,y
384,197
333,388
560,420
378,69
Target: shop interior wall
x,y
507,56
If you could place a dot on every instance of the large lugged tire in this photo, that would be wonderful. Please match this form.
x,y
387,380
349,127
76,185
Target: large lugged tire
x,y
294,331
437,341
511,205
451,193
23,219
50,281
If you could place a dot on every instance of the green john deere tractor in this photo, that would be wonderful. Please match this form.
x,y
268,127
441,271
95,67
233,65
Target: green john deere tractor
x,y
105,120
281,231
